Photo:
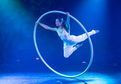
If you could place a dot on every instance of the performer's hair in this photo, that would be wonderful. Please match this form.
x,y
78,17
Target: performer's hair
x,y
60,19
63,23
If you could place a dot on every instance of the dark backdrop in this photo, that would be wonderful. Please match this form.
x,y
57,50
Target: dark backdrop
x,y
17,18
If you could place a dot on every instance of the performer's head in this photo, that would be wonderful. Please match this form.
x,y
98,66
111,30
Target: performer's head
x,y
59,22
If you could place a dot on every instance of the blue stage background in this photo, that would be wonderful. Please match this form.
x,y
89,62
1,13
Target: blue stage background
x,y
17,19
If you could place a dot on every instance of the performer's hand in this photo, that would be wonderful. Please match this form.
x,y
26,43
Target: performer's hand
x,y
67,13
36,22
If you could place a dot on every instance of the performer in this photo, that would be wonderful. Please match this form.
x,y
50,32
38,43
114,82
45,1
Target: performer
x,y
71,42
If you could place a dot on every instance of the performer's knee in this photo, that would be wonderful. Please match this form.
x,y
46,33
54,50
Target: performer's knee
x,y
66,55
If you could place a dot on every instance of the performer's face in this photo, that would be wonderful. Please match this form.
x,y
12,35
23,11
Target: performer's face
x,y
57,22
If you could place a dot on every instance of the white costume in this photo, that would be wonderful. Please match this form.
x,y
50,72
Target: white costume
x,y
71,40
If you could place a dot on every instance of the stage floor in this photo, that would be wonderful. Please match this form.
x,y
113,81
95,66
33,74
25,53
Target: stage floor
x,y
46,78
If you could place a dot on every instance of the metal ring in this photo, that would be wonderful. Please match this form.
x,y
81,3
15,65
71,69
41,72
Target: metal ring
x,y
90,42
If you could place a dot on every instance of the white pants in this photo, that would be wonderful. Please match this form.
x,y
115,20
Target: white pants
x,y
73,40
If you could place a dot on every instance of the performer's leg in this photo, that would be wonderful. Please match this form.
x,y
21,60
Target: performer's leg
x,y
68,50
83,37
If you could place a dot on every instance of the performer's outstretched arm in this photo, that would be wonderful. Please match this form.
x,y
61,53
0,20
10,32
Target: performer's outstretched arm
x,y
68,22
47,27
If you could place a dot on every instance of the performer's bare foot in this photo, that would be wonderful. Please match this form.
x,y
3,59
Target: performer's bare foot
x,y
95,31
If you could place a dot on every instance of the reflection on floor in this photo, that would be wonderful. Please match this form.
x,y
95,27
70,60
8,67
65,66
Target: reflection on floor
x,y
37,78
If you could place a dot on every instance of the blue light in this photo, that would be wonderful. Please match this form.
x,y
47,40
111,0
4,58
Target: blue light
x,y
39,78
90,42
